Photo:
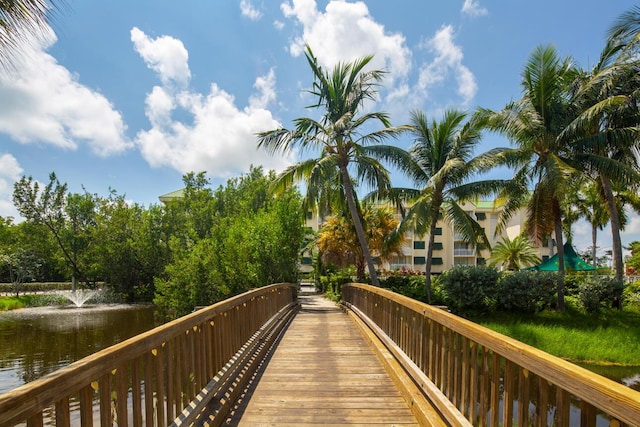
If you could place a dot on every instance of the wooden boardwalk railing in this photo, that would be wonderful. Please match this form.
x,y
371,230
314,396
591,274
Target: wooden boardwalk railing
x,y
489,379
170,374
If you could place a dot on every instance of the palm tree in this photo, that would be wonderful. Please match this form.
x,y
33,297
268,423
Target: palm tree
x,y
541,162
338,136
604,136
514,254
441,166
18,19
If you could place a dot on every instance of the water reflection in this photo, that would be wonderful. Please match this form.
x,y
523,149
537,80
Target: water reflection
x,y
38,341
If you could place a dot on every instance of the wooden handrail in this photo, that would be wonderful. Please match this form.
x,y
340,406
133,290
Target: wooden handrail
x,y
490,378
151,378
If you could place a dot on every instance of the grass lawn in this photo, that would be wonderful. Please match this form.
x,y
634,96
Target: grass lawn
x,y
610,337
13,302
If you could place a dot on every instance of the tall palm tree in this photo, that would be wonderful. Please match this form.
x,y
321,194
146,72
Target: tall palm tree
x,y
441,166
514,254
542,164
604,136
340,137
18,19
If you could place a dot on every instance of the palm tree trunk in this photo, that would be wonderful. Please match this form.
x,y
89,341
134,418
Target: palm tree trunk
x,y
428,263
355,216
557,215
615,228
594,238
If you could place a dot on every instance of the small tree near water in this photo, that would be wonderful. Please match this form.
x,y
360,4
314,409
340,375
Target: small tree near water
x,y
23,266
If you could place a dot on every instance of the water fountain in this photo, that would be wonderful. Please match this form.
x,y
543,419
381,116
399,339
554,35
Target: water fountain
x,y
80,296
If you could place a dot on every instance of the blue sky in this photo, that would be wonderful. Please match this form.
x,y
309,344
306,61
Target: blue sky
x,y
132,95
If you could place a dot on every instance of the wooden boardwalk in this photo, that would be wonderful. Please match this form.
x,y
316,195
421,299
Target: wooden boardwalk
x,y
323,372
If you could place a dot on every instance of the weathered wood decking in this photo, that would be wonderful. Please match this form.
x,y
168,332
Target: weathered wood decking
x,y
323,372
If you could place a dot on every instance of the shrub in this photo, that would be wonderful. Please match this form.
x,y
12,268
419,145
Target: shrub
x,y
331,285
414,286
527,291
469,288
594,292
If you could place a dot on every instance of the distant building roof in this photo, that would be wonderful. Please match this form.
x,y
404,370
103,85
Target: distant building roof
x,y
178,194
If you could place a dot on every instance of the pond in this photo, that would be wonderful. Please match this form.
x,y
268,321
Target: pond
x,y
37,341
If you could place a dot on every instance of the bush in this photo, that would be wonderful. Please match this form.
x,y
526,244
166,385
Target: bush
x,y
331,285
414,287
469,288
527,291
594,292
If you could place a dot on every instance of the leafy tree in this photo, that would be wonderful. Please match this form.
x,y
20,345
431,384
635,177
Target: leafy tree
x,y
23,266
442,166
338,242
514,254
66,218
341,138
542,163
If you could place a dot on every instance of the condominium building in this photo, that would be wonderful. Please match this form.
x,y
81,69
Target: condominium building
x,y
449,249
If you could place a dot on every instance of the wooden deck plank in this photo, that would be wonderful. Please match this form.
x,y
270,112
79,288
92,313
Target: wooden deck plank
x,y
323,372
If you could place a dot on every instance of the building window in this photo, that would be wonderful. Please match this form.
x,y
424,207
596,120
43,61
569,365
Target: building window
x,y
438,231
545,258
309,215
481,261
437,246
306,260
480,216
419,260
418,244
436,261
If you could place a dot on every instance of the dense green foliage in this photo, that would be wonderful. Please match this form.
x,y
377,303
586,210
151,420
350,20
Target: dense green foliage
x,y
469,288
232,240
195,250
526,291
594,292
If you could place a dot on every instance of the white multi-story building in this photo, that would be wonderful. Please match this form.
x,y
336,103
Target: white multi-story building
x,y
449,249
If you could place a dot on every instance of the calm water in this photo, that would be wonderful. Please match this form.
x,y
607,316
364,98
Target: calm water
x,y
37,341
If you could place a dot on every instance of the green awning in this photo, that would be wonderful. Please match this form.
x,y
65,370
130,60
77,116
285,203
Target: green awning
x,y
572,262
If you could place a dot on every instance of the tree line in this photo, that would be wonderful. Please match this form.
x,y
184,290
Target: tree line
x,y
200,248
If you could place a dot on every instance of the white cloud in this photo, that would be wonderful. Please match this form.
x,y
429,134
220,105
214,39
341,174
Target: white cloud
x,y
344,32
447,63
278,25
43,102
473,8
220,137
10,172
249,10
164,55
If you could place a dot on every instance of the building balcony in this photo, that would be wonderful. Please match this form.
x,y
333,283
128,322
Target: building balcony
x,y
464,252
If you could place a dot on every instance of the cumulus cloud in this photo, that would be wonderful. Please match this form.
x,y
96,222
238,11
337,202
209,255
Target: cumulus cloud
x,y
43,102
346,31
164,55
10,172
220,136
473,8
446,63
250,11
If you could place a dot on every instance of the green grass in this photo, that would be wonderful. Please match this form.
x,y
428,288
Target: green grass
x,y
14,303
610,337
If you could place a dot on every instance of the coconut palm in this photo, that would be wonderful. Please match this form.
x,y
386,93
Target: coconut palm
x,y
542,164
441,166
339,136
514,254
604,136
18,20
